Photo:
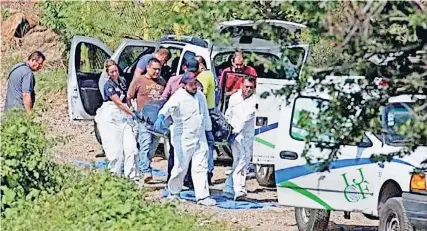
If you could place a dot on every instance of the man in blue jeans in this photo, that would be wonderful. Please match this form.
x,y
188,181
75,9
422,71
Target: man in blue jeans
x,y
146,88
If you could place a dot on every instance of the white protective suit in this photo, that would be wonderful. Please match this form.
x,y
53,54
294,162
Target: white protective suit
x,y
118,139
240,114
190,122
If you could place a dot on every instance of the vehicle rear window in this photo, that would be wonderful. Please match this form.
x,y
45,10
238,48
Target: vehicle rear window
x,y
266,65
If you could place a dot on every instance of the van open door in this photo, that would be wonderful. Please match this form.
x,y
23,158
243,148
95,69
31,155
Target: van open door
x,y
85,66
191,51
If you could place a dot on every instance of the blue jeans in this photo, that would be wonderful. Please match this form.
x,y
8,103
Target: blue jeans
x,y
147,143
210,159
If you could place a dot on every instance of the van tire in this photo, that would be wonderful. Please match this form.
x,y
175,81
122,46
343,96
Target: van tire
x,y
393,213
316,220
265,175
97,135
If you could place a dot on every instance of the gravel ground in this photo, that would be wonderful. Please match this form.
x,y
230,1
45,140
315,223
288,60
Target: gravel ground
x,y
80,144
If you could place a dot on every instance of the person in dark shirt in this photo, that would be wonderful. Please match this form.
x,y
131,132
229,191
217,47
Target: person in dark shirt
x,y
114,123
21,83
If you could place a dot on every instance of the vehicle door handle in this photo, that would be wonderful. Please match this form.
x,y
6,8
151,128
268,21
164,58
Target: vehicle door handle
x,y
261,121
287,155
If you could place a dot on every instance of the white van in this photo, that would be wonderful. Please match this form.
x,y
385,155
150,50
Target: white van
x,y
390,191
86,75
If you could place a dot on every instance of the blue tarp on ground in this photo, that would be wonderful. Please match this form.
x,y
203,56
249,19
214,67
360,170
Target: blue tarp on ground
x,y
104,164
223,201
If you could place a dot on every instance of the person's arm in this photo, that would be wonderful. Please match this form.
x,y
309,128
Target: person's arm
x,y
249,114
27,90
140,67
229,112
115,98
167,92
131,91
28,102
170,106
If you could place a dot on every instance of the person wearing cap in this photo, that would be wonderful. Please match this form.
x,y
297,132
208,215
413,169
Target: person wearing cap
x,y
191,124
174,83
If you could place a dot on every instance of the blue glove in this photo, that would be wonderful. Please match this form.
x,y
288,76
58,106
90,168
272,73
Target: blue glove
x,y
210,138
160,122
232,138
134,116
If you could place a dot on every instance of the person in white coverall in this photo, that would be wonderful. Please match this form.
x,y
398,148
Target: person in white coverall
x,y
190,134
240,114
114,119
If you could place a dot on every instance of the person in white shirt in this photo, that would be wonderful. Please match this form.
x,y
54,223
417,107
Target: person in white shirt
x,y
240,114
191,131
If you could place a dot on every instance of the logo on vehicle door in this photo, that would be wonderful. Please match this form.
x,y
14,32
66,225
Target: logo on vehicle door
x,y
356,189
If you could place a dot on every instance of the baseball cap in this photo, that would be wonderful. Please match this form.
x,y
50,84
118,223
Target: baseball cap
x,y
191,64
188,77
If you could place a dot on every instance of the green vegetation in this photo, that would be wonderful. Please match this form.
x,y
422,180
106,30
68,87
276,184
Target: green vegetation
x,y
97,201
38,194
26,169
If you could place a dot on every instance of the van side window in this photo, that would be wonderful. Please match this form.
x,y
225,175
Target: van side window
x,y
305,117
396,116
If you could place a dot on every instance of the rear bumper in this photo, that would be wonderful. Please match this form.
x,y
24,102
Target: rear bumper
x,y
416,209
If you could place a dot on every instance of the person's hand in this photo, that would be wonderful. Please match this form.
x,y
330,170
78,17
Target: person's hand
x,y
160,122
210,138
232,138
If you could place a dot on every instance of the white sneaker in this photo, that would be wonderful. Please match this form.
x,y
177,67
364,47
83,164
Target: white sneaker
x,y
207,202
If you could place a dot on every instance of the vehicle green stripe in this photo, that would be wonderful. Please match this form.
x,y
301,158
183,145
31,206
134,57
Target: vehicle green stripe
x,y
266,143
298,189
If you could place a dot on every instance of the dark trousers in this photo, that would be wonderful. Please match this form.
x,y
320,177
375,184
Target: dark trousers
x,y
187,179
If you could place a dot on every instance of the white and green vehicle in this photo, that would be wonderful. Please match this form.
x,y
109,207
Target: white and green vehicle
x,y
391,192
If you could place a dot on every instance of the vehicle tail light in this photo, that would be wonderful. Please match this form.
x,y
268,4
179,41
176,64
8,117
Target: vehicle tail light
x,y
418,181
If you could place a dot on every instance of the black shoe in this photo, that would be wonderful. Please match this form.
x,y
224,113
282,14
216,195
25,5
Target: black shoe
x,y
189,184
210,175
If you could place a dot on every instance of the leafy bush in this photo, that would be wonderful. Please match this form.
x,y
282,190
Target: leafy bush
x,y
97,201
25,168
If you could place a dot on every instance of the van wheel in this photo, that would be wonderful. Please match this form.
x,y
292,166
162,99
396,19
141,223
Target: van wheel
x,y
265,175
393,216
312,219
97,135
